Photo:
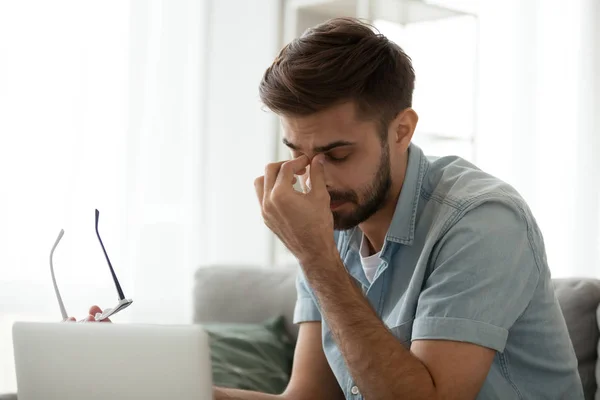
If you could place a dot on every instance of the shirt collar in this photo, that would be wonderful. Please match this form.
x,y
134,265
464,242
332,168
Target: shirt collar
x,y
402,227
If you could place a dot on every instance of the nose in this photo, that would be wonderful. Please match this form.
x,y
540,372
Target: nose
x,y
326,174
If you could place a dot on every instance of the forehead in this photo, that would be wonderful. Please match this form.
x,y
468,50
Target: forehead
x,y
340,122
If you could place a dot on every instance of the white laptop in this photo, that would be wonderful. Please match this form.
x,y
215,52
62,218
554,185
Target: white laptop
x,y
59,361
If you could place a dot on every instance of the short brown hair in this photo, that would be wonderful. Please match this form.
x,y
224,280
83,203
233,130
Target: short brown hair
x,y
340,60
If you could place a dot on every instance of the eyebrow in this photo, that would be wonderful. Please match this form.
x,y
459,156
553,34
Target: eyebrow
x,y
320,149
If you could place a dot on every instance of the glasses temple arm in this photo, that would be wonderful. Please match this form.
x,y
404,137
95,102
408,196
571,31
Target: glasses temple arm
x,y
112,271
60,302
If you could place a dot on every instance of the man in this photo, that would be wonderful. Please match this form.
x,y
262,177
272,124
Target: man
x,y
420,279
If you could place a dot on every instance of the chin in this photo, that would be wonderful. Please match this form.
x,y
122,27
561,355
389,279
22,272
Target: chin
x,y
343,222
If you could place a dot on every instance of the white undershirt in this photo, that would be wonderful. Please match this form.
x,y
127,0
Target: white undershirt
x,y
370,263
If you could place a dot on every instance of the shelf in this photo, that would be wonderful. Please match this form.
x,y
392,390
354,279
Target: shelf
x,y
396,11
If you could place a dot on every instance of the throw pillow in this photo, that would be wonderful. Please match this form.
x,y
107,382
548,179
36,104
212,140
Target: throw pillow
x,y
251,356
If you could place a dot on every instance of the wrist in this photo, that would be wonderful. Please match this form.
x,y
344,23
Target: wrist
x,y
327,256
218,394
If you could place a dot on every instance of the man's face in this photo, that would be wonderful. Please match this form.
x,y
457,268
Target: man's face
x,y
357,163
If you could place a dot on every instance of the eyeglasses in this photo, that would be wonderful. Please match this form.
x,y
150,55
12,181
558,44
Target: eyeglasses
x,y
123,302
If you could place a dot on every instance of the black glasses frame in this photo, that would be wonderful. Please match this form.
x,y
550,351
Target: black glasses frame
x,y
122,301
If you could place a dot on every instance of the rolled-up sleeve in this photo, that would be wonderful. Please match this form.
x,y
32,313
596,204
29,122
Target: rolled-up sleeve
x,y
306,309
485,273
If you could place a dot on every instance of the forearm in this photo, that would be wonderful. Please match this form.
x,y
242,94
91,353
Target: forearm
x,y
380,365
236,394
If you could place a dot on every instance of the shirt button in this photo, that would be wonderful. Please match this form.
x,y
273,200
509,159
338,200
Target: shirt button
x,y
355,390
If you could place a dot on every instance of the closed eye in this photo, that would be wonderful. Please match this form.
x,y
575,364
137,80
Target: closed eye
x,y
335,159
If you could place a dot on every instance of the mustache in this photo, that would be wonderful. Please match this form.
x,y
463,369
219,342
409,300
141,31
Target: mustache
x,y
348,196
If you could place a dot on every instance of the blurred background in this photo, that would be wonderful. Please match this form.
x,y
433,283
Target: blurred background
x,y
149,111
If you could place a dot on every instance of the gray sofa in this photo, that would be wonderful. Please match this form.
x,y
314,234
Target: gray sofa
x,y
237,294
252,295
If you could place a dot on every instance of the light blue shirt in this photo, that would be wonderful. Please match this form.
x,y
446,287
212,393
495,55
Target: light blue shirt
x,y
463,260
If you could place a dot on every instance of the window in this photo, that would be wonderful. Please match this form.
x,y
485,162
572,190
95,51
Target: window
x,y
62,137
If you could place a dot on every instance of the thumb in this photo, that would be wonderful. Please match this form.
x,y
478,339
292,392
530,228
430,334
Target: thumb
x,y
317,175
95,310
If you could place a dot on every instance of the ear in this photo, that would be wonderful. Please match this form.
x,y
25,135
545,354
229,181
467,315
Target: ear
x,y
403,127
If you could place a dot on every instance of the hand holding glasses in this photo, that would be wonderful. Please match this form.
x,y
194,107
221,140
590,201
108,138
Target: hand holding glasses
x,y
122,302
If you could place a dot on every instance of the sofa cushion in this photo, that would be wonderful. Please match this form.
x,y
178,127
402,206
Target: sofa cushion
x,y
579,299
254,357
245,294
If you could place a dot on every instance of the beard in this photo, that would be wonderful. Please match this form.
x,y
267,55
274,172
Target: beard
x,y
366,200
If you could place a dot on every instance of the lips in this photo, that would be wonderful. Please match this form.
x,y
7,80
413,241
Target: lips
x,y
336,204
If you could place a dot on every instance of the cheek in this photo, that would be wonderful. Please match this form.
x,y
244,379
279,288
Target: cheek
x,y
355,179
338,177
341,177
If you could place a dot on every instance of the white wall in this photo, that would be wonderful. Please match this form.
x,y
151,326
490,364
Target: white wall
x,y
244,40
538,119
168,46
198,139
157,122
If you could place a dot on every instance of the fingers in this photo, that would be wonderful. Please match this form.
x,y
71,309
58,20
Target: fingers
x,y
290,168
265,184
317,176
259,187
86,319
91,316
95,310
302,178
301,183
271,172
